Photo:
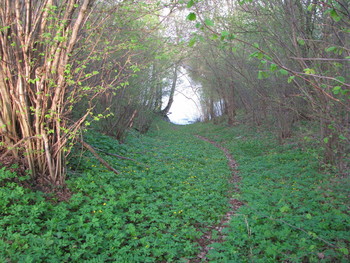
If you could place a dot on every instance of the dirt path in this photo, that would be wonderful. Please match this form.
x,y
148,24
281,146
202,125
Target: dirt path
x,y
207,240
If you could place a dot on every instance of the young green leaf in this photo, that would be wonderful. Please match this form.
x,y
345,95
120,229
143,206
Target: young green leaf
x,y
340,79
198,25
273,67
336,90
192,16
291,78
262,75
309,71
214,37
283,71
190,3
310,7
224,34
331,49
335,16
301,42
344,250
342,137
284,209
192,41
308,216
208,22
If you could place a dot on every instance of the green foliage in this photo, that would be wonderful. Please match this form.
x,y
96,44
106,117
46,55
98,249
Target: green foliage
x,y
152,212
334,15
208,22
192,16
293,213
190,3
156,208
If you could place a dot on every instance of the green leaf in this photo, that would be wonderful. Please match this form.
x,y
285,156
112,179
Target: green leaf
x,y
333,13
340,79
190,4
336,90
192,16
308,216
309,71
257,54
224,33
331,49
214,37
267,57
344,250
208,22
262,75
342,137
326,140
271,250
291,78
192,41
310,7
283,71
310,233
301,42
284,209
232,36
273,67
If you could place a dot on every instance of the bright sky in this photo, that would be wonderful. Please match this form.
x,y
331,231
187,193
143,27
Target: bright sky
x,y
186,107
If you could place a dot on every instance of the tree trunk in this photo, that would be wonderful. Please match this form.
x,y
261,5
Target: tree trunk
x,y
166,110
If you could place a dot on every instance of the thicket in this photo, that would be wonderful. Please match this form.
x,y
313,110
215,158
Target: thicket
x,y
279,62
67,64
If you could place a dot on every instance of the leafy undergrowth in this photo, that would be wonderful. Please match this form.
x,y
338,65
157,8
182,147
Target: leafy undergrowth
x,y
293,212
153,211
157,207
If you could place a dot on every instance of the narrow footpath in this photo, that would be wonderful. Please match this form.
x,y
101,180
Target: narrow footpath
x,y
207,239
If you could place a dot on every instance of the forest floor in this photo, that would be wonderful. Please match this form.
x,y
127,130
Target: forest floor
x,y
196,193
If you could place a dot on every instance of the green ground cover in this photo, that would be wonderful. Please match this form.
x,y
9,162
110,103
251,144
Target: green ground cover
x,y
154,210
151,212
293,212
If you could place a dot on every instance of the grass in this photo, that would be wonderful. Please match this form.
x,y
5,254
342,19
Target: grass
x,y
157,207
